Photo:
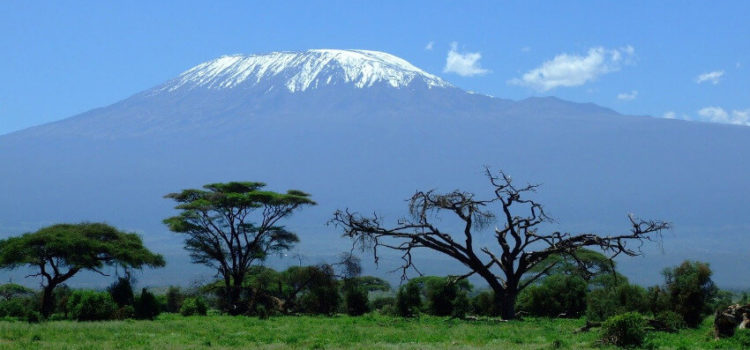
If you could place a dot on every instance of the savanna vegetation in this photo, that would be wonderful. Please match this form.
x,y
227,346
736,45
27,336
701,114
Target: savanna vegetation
x,y
553,289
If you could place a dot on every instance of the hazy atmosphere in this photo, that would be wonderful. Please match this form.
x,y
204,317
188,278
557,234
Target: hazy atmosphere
x,y
423,136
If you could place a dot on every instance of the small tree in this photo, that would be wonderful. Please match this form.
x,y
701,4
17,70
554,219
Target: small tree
x,y
60,251
522,247
691,290
222,234
408,300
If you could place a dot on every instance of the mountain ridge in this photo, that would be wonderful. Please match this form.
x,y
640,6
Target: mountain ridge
x,y
368,149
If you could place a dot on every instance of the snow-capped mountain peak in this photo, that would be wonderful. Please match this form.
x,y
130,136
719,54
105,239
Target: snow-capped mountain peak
x,y
299,71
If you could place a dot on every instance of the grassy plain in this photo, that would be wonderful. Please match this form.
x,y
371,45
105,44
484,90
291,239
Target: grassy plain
x,y
342,332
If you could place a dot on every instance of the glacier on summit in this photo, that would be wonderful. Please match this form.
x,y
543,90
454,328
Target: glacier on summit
x,y
299,71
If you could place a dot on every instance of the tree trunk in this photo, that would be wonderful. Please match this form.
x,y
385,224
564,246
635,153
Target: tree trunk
x,y
48,300
508,305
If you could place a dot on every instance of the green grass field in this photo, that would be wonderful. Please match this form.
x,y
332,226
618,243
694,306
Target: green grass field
x,y
304,332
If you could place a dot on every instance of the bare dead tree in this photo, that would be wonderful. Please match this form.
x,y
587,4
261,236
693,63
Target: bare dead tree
x,y
521,246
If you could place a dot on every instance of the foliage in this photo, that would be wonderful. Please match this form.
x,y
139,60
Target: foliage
x,y
691,290
193,306
18,307
557,295
356,300
658,299
670,319
441,293
625,330
523,252
174,299
122,291
322,294
385,304
606,302
220,233
146,306
408,300
483,304
9,291
60,251
86,305
721,300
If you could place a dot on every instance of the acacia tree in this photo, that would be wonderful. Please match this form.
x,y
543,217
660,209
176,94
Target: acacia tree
x,y
222,233
60,251
522,247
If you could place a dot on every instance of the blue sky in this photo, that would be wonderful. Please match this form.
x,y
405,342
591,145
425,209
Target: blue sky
x,y
679,59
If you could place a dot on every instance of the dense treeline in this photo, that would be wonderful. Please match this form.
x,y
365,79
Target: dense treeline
x,y
686,297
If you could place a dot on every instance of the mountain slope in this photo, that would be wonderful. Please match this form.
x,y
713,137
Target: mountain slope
x,y
365,142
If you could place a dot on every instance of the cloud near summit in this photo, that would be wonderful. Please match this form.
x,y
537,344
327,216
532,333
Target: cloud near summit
x,y
464,64
569,70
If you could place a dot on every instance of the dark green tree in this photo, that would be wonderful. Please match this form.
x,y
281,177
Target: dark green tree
x,y
521,245
60,251
690,290
408,300
230,226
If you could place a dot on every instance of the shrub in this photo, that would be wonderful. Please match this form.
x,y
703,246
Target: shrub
x,y
408,300
124,312
605,303
628,329
690,290
383,302
146,306
556,295
122,292
86,305
193,306
670,319
174,299
461,305
17,307
356,301
484,304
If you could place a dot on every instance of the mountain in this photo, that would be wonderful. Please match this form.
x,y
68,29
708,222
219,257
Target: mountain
x,y
364,130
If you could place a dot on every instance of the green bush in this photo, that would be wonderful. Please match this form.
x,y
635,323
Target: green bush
x,y
17,307
193,306
556,295
408,300
174,299
86,305
628,329
146,306
356,301
483,304
602,304
691,291
382,302
670,319
461,305
124,313
122,292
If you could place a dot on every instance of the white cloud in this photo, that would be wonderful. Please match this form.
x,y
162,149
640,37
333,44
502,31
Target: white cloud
x,y
525,49
463,64
719,115
575,70
628,96
712,77
429,46
670,115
